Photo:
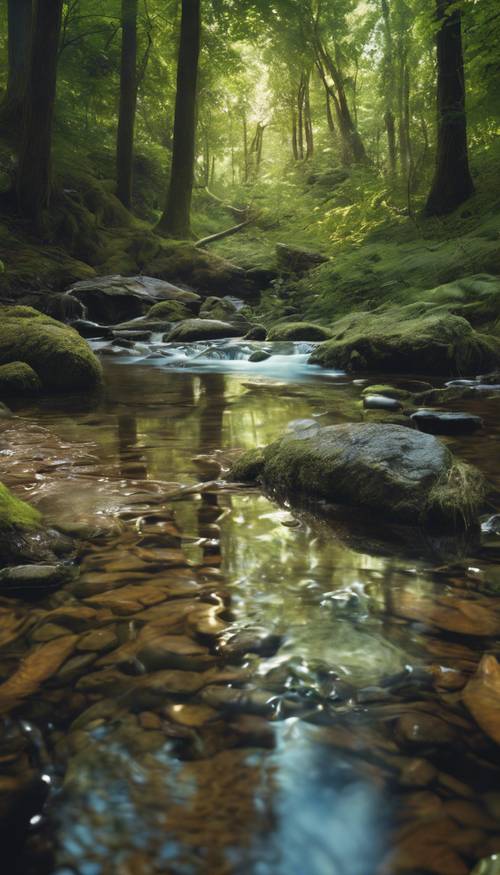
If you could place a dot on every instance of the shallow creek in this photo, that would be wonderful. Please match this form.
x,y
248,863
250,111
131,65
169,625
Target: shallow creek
x,y
230,686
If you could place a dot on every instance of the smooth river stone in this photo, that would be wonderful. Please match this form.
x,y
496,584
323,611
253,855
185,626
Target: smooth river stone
x,y
423,729
191,715
482,697
39,665
98,640
437,422
381,402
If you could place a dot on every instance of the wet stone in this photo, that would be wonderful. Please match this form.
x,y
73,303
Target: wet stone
x,y
436,422
254,731
381,402
33,581
99,640
417,773
258,641
194,716
418,729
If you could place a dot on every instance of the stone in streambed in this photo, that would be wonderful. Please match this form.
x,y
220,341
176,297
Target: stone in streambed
x,y
404,475
258,641
441,422
33,581
381,402
202,329
482,697
259,356
89,329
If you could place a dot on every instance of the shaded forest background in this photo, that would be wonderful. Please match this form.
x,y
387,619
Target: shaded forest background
x,y
317,121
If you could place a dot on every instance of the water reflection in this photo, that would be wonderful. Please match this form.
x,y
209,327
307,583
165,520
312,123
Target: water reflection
x,y
301,760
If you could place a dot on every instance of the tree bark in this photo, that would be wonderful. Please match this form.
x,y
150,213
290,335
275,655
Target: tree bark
x,y
452,183
308,129
19,14
389,87
34,171
128,103
176,220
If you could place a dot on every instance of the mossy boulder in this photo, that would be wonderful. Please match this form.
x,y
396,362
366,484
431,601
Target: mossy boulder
x,y
16,514
18,378
410,339
218,308
172,311
404,475
60,357
202,329
299,331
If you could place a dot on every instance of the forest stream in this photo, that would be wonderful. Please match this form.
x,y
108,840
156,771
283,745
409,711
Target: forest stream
x,y
231,685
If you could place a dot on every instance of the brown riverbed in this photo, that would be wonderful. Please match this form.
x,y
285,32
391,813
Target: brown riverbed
x,y
231,686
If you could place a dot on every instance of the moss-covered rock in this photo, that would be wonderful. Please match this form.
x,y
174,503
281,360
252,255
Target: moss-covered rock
x,y
172,311
411,339
407,476
218,308
202,329
16,514
18,378
60,357
297,261
299,331
388,391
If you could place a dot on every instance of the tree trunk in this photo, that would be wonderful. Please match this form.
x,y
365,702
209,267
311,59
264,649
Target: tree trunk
x,y
295,142
19,37
390,128
353,150
329,114
34,171
404,118
245,148
175,221
388,82
452,183
300,119
128,103
307,118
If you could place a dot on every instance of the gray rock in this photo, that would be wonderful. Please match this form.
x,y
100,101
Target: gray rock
x,y
403,475
33,581
441,422
381,402
91,329
115,298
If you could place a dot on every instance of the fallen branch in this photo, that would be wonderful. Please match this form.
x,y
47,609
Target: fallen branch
x,y
236,211
227,233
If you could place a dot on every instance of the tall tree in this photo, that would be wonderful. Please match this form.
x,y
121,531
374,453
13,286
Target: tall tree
x,y
452,183
175,221
19,14
34,170
128,103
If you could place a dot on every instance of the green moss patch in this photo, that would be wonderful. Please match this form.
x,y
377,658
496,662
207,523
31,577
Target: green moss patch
x,y
299,331
15,513
172,311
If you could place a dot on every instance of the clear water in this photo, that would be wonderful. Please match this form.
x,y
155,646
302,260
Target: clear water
x,y
315,770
